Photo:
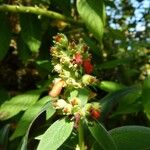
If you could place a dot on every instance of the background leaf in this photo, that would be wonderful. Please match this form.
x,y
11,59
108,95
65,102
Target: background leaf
x,y
4,136
31,31
56,134
109,101
24,143
131,137
146,96
23,50
29,115
18,103
130,103
5,35
92,13
102,136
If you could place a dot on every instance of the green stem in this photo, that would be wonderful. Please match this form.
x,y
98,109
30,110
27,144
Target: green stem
x,y
81,135
37,11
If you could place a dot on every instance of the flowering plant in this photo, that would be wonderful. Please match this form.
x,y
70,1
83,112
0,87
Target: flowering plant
x,y
73,64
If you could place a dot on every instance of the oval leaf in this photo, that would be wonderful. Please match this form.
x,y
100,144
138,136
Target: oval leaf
x,y
92,13
55,135
111,99
24,142
102,136
29,115
18,103
131,137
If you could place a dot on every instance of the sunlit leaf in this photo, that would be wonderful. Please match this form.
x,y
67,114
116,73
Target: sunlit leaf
x,y
92,13
56,134
24,142
29,115
18,103
110,86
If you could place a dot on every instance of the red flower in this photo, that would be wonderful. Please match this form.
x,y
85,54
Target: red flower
x,y
78,59
95,114
88,67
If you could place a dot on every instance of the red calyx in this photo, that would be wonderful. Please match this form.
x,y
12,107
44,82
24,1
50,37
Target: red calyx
x,y
95,114
88,67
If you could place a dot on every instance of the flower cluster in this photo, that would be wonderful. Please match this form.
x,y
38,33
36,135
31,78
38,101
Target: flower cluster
x,y
72,62
74,107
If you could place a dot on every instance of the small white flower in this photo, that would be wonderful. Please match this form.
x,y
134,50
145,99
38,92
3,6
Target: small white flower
x,y
58,68
60,104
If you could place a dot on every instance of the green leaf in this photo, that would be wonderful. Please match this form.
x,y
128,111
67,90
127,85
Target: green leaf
x,y
114,63
24,143
131,137
73,94
5,35
129,103
83,95
92,13
146,96
112,99
18,103
31,31
29,115
44,64
96,146
56,134
24,52
110,86
101,136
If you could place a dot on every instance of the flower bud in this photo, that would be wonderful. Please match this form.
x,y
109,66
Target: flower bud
x,y
57,88
61,40
75,101
87,66
67,109
96,105
88,79
95,114
93,109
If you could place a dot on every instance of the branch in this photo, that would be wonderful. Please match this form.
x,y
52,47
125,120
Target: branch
x,y
37,11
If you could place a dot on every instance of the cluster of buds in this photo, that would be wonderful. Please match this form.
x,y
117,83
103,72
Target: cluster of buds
x,y
72,62
75,108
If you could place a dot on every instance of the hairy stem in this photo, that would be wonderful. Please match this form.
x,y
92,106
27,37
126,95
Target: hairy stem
x,y
37,11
